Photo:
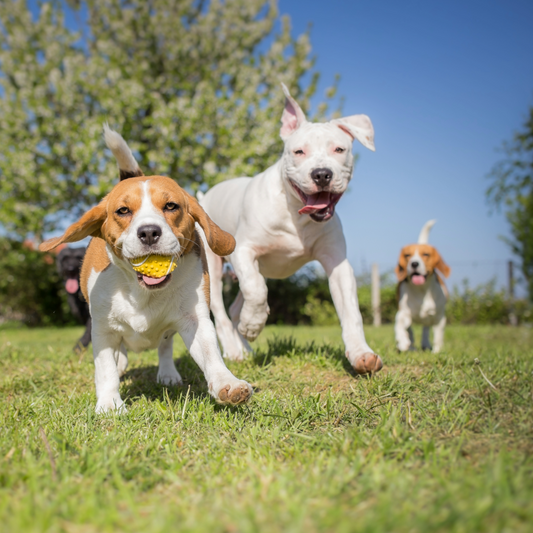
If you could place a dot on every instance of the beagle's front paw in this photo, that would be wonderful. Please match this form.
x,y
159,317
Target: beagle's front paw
x,y
367,363
404,345
110,403
232,392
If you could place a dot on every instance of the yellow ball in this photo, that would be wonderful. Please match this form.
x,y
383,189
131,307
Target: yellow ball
x,y
155,266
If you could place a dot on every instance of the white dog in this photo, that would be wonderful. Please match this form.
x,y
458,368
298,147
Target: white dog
x,y
142,216
421,292
284,218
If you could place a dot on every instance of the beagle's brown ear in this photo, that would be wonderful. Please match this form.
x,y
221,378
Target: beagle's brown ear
x,y
401,268
220,241
88,225
441,265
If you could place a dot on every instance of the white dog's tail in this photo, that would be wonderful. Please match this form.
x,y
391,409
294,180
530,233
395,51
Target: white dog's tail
x,y
127,165
424,234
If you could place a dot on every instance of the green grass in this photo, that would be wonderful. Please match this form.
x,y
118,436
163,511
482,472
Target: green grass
x,y
426,445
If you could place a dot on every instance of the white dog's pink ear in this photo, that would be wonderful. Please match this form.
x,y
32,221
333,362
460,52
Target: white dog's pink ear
x,y
358,127
293,116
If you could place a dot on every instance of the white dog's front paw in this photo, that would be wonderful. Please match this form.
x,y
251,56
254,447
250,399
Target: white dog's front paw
x,y
230,391
169,377
252,321
110,403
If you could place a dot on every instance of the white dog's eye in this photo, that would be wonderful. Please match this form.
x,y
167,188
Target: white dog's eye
x,y
340,150
298,152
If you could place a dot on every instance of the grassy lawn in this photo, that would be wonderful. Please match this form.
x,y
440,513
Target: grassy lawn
x,y
427,445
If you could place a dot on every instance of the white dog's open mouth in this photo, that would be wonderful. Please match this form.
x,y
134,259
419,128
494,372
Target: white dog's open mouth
x,y
319,206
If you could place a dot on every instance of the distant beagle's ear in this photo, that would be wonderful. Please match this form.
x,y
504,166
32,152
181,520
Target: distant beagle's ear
x,y
441,265
88,225
358,127
220,241
401,268
293,116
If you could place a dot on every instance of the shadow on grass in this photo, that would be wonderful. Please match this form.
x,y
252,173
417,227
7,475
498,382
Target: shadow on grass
x,y
142,381
288,347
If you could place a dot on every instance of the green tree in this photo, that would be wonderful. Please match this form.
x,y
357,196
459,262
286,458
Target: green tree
x,y
192,85
512,189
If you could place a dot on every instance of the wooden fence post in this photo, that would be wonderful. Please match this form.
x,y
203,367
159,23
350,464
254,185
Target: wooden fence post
x,y
376,295
510,271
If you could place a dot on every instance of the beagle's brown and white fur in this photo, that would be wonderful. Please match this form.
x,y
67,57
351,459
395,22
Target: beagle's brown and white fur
x,y
145,215
422,293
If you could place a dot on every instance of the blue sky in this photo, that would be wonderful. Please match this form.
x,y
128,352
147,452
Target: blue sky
x,y
445,83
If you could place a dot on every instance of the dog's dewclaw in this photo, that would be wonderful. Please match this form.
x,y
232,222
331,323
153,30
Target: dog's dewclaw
x,y
155,266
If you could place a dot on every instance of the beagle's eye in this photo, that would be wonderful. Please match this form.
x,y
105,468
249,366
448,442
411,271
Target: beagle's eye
x,y
171,206
298,152
425,255
122,211
407,256
340,150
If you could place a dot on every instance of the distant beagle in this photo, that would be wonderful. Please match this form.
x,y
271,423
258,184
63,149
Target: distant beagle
x,y
140,218
422,293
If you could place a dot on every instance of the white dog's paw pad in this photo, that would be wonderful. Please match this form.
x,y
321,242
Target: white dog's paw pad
x,y
235,394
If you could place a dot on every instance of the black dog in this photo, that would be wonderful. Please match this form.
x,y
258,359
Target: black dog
x,y
68,265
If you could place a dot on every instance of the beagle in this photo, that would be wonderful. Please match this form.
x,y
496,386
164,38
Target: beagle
x,y
144,216
422,294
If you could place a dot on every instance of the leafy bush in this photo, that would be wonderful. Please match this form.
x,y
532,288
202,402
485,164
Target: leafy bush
x,y
30,287
484,305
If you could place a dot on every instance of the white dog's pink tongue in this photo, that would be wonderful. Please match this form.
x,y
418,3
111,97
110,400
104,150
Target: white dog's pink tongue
x,y
72,285
315,202
417,279
153,281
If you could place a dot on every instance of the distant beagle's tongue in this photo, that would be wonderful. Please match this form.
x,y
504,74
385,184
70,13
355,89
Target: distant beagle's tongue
x,y
153,281
72,285
315,202
417,279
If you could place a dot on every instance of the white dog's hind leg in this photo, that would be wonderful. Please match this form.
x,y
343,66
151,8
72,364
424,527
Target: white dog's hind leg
x,y
426,343
235,315
411,337
438,335
167,373
344,293
232,346
254,311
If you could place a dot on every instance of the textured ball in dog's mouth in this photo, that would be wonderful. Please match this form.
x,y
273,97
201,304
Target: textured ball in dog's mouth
x,y
418,279
319,206
153,270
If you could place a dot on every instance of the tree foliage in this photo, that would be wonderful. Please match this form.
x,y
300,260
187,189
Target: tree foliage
x,y
193,86
512,189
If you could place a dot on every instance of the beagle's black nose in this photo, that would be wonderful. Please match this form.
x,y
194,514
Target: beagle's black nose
x,y
149,234
322,176
415,264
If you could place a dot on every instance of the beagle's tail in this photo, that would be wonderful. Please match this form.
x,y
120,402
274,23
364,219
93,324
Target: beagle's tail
x,y
424,233
127,165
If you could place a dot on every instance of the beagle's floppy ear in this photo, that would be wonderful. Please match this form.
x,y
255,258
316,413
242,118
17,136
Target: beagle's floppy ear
x,y
89,224
293,116
401,268
441,265
220,241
